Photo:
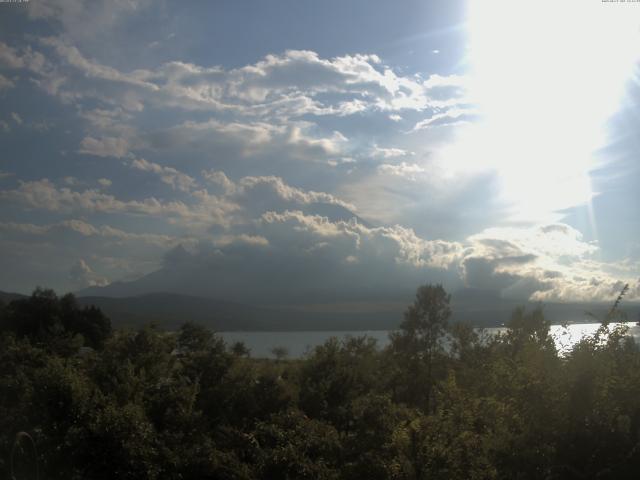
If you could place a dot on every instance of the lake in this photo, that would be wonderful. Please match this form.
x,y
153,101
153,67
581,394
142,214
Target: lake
x,y
298,343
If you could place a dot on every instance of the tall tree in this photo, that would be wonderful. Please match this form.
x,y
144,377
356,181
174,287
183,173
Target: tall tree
x,y
419,340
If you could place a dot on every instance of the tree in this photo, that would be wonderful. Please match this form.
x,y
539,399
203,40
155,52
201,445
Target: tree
x,y
88,321
280,352
50,320
419,340
239,349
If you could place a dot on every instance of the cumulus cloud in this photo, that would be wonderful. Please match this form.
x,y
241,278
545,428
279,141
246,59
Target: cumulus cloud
x,y
391,244
254,228
316,257
280,87
311,251
226,204
271,185
274,108
168,175
547,263
307,256
291,141
44,195
82,275
218,178
22,58
290,84
258,194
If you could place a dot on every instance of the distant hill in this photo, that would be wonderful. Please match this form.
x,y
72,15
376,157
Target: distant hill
x,y
170,310
474,307
6,297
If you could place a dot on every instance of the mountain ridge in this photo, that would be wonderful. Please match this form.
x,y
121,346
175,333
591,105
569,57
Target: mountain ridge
x,y
169,310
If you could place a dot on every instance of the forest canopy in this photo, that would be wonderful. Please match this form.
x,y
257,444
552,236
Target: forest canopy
x,y
441,401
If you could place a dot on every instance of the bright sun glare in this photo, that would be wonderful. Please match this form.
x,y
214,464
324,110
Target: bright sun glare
x,y
545,76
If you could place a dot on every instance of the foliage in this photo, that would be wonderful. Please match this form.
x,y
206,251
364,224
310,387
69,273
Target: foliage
x,y
419,342
442,401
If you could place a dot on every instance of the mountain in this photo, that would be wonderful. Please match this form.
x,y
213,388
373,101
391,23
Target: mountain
x,y
477,308
6,297
242,274
169,310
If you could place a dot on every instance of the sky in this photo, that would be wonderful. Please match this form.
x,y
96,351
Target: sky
x,y
334,151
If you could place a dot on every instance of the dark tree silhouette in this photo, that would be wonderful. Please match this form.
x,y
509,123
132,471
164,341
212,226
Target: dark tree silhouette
x,y
419,340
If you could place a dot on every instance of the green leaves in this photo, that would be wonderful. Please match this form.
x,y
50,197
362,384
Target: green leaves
x,y
439,402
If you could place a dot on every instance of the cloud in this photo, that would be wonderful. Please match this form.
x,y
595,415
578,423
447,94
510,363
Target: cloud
x,y
41,253
108,120
263,229
104,147
71,181
258,133
5,83
278,88
82,275
93,69
448,117
13,58
232,202
391,244
286,85
271,185
276,109
218,178
85,229
410,171
250,140
550,263
381,152
307,256
291,84
177,180
44,195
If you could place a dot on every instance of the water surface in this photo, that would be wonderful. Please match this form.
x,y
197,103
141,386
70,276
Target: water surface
x,y
299,343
